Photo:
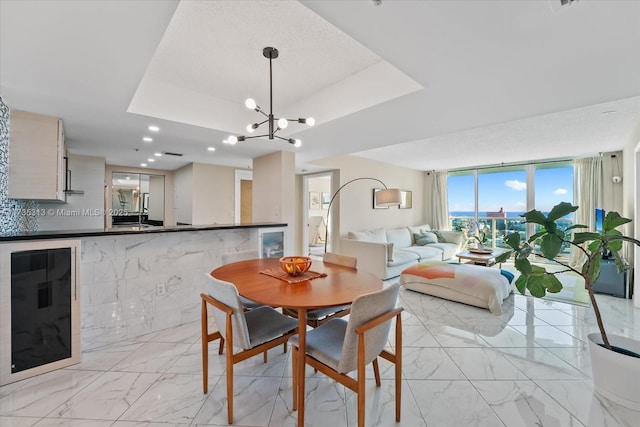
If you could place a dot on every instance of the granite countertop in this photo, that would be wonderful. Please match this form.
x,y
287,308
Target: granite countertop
x,y
143,229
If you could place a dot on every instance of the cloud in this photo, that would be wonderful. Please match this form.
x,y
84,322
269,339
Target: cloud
x,y
514,184
560,191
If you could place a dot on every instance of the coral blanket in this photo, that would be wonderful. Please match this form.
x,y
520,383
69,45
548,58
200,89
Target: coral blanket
x,y
470,284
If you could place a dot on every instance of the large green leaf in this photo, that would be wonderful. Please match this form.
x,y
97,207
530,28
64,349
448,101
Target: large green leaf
x,y
521,284
586,236
503,257
537,236
560,210
574,226
594,267
513,240
613,220
551,245
535,216
553,284
594,246
614,242
523,266
535,284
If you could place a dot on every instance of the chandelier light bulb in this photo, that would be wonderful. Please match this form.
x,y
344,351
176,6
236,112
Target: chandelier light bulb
x,y
251,128
283,123
311,121
297,143
250,103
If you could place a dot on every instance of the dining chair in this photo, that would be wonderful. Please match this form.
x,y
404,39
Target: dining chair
x,y
318,316
247,303
254,331
339,347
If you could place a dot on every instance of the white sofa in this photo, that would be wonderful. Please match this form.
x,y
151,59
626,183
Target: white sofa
x,y
386,253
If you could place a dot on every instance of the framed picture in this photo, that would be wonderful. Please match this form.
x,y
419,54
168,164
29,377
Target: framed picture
x,y
375,190
315,200
326,199
406,201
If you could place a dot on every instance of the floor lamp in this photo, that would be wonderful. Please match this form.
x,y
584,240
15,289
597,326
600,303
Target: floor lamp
x,y
386,197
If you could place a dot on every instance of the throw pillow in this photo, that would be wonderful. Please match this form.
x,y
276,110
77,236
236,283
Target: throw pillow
x,y
425,238
441,238
389,252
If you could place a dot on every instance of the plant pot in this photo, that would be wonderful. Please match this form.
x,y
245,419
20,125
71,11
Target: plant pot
x,y
616,376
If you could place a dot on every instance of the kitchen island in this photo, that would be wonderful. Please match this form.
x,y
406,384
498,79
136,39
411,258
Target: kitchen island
x,y
138,280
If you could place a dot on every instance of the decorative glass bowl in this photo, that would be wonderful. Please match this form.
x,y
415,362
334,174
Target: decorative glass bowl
x,y
295,265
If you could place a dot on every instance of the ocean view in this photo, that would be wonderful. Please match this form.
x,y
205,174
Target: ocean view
x,y
484,214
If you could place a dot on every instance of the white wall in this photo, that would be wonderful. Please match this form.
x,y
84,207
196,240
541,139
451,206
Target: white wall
x,y
183,194
80,212
213,193
156,198
274,193
355,201
631,203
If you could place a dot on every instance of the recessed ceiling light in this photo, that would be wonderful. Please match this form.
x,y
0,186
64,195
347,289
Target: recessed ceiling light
x,y
151,160
157,154
606,113
144,165
147,139
153,128
211,148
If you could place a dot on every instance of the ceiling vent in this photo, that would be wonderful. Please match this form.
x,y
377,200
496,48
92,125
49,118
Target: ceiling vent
x,y
167,153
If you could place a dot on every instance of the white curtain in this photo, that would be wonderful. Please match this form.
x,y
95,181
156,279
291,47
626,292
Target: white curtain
x,y
439,206
587,194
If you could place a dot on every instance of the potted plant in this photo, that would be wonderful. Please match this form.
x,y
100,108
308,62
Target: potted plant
x,y
615,360
481,239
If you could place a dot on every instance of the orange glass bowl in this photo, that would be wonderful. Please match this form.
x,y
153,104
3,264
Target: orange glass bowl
x,y
295,265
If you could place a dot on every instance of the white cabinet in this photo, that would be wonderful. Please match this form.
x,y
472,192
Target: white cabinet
x,y
36,157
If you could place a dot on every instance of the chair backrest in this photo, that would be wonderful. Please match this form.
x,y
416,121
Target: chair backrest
x,y
227,293
363,309
240,256
345,260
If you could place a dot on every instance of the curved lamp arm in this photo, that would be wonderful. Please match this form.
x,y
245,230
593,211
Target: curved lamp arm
x,y
393,200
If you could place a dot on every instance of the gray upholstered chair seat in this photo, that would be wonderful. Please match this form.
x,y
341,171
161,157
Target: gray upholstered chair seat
x,y
320,313
265,324
325,343
249,304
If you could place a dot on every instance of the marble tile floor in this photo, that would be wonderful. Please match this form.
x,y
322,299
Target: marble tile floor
x,y
463,366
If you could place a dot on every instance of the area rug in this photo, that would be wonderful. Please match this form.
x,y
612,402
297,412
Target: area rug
x,y
573,290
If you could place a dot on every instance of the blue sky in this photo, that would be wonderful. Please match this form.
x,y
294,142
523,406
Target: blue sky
x,y
509,190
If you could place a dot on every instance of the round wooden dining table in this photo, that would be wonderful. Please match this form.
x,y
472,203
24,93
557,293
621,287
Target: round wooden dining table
x,y
341,285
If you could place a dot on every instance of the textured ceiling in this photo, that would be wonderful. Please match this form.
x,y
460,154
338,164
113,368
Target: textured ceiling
x,y
423,84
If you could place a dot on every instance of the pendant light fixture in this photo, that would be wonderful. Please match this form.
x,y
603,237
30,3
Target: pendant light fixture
x,y
274,123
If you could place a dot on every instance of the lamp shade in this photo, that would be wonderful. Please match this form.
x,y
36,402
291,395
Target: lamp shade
x,y
388,197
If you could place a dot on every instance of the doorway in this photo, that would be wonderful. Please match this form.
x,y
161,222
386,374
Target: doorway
x,y
137,199
243,210
317,194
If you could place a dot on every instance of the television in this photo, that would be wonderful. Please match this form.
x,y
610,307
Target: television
x,y
599,220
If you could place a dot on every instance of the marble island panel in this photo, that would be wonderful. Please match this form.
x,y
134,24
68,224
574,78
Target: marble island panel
x,y
134,282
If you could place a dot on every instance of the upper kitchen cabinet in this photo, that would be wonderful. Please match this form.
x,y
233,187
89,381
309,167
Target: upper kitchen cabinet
x,y
36,157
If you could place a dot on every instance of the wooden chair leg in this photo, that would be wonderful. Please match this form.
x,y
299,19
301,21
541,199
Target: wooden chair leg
x,y
398,362
284,345
294,376
361,388
376,371
229,360
264,356
221,347
205,346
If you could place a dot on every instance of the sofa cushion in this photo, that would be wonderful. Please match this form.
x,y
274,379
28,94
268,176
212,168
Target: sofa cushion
x,y
428,252
425,238
449,250
400,237
401,257
375,236
419,229
452,236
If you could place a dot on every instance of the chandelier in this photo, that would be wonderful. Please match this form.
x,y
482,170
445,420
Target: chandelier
x,y
275,124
